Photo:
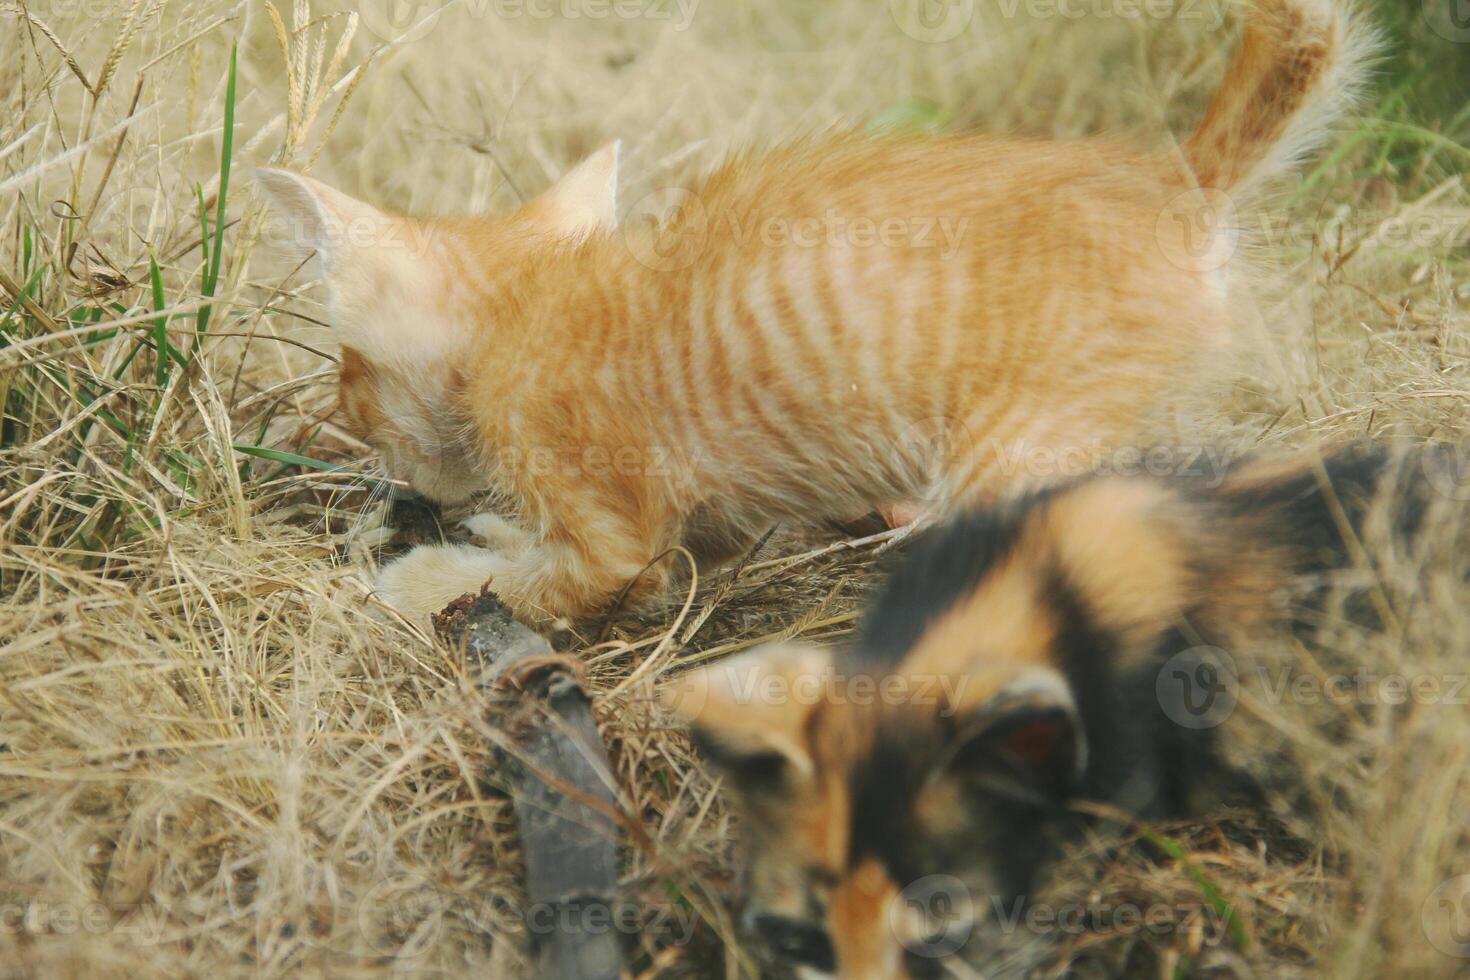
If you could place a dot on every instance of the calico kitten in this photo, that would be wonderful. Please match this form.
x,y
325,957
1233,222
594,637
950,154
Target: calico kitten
x,y
1088,642
845,321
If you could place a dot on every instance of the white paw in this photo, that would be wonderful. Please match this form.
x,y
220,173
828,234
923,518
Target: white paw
x,y
497,532
429,577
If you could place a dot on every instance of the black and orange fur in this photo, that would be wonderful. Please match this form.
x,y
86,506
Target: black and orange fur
x,y
1023,648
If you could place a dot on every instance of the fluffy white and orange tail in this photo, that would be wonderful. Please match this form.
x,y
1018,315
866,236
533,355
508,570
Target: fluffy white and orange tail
x,y
1299,65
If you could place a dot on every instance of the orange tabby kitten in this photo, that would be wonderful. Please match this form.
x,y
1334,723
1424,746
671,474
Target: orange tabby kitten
x,y
844,321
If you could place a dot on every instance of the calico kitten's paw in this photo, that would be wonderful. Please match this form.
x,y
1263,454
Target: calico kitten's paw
x,y
429,577
496,532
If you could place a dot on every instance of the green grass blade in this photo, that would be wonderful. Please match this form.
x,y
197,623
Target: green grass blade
x,y
1208,888
25,294
285,466
290,459
211,276
912,115
160,324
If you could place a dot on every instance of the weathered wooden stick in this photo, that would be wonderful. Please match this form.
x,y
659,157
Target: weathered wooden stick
x,y
536,695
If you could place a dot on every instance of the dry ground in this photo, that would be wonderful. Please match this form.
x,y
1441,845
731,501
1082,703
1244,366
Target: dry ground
x,y
218,755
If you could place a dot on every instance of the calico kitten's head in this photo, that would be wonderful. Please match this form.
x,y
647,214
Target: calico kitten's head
x,y
900,798
883,838
414,301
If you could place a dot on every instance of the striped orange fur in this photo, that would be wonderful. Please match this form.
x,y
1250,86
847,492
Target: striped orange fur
x,y
846,321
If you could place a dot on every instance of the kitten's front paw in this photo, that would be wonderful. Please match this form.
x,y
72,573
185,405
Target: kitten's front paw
x,y
429,577
497,532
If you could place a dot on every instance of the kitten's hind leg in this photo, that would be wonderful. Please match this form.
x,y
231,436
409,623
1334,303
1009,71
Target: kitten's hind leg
x,y
429,577
715,539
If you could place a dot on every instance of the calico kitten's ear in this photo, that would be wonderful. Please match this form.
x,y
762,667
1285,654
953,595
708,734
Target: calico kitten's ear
x,y
1025,741
748,714
584,200
318,218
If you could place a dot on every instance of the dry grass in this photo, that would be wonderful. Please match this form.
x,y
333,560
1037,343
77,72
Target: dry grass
x,y
219,755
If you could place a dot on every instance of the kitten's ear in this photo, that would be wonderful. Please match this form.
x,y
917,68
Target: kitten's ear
x,y
585,199
1026,739
379,267
318,218
748,714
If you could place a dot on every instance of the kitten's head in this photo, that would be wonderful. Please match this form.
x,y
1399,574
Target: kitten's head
x,y
414,302
887,820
